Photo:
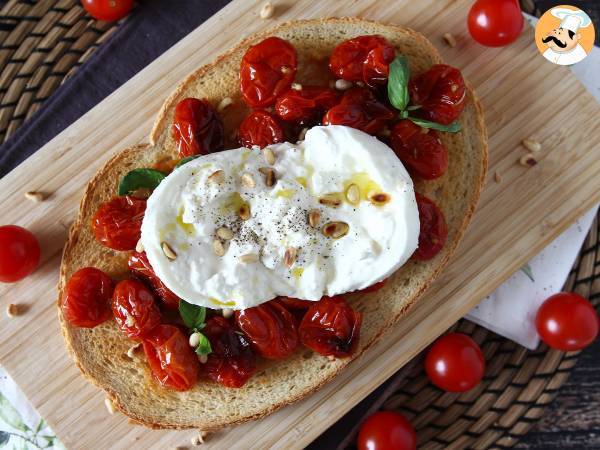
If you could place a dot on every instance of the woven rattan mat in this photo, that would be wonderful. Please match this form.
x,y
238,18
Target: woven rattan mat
x,y
42,43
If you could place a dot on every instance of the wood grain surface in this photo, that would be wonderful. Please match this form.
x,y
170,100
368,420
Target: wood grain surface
x,y
523,96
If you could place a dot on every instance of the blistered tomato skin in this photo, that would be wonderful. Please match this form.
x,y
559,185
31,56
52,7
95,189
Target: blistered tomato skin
x,y
140,267
197,128
134,309
295,303
172,361
19,253
419,149
433,229
330,327
440,92
117,223
232,361
267,70
271,328
260,128
306,104
87,298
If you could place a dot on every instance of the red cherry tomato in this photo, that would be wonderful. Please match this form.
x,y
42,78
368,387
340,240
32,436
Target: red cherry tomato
x,y
260,128
135,309
306,104
197,129
331,327
86,300
295,303
440,92
420,149
433,229
172,361
360,109
108,10
374,287
140,267
231,362
455,363
567,321
364,58
268,69
117,223
495,22
19,253
387,430
271,328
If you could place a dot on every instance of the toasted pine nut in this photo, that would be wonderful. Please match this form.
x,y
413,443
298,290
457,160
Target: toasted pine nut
x,y
353,194
218,247
247,180
225,233
168,251
314,217
225,103
450,40
335,230
34,196
267,11
268,155
343,85
497,177
249,258
227,313
109,406
527,160
532,145
12,310
289,257
217,177
139,247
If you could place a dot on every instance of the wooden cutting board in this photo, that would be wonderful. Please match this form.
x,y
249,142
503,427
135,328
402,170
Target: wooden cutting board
x,y
523,95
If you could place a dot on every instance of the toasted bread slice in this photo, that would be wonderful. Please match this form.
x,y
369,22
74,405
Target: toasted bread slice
x,y
100,352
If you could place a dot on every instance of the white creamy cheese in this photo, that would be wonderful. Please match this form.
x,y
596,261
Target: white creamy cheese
x,y
187,208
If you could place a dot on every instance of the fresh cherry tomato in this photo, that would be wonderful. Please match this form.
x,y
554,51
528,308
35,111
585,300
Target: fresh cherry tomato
x,y
387,430
86,300
260,128
420,149
374,287
363,58
140,267
135,309
331,327
271,328
433,229
117,223
306,104
197,129
19,253
495,22
108,10
359,108
172,361
567,321
455,363
295,303
232,361
440,92
268,69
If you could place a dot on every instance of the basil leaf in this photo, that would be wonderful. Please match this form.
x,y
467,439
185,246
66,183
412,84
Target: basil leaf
x,y
140,178
526,269
452,128
398,83
186,160
413,107
204,347
193,315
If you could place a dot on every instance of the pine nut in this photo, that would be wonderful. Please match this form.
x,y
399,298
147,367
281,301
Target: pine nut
x,y
332,199
168,251
335,230
227,313
244,212
109,406
527,160
353,194
225,103
268,155
139,247
289,257
218,247
247,180
12,310
34,196
450,40
194,340
378,198
343,85
267,11
269,175
314,217
225,233
532,145
217,177
249,258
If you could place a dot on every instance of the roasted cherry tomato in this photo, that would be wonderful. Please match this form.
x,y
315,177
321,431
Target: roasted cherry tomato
x,y
306,104
271,328
117,223
140,267
19,253
420,149
433,229
364,58
440,92
135,309
386,430
268,69
455,363
197,129
232,361
359,108
567,321
108,10
87,296
295,303
495,22
172,361
331,327
260,128
374,287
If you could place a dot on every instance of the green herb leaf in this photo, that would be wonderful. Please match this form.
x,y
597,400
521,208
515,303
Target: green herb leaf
x,y
204,347
413,107
526,269
398,83
186,160
404,114
193,315
452,128
139,179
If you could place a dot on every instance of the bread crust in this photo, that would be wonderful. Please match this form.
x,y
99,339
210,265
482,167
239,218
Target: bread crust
x,y
98,352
